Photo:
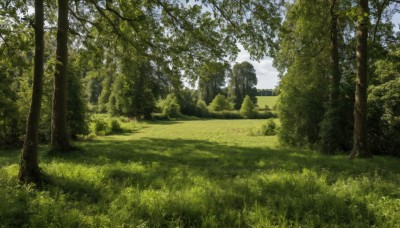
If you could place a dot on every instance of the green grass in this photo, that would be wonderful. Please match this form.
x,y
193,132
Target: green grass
x,y
201,173
267,100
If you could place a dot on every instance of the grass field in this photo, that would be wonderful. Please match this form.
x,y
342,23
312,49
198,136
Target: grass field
x,y
201,173
267,100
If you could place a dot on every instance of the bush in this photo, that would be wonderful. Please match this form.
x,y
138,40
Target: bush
x,y
269,128
248,108
101,127
172,110
115,126
201,109
226,115
104,125
265,115
187,102
78,115
171,107
220,104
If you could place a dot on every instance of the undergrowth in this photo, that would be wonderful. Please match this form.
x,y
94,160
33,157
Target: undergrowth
x,y
207,173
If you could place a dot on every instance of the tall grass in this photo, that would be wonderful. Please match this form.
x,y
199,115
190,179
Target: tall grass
x,y
209,173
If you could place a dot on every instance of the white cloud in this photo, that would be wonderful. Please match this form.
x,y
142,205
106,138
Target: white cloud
x,y
267,75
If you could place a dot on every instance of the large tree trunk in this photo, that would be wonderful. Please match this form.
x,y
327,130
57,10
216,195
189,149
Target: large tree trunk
x,y
331,131
29,168
360,146
59,126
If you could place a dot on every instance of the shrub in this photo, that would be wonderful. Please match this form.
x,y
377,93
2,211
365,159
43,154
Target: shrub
x,y
226,115
171,107
220,104
269,128
101,127
187,102
265,115
78,115
201,109
115,126
248,108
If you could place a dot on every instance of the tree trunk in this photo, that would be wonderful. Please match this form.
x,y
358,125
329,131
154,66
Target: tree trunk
x,y
330,130
59,126
360,146
29,168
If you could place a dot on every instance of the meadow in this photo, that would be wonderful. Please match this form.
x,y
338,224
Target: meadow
x,y
200,173
262,101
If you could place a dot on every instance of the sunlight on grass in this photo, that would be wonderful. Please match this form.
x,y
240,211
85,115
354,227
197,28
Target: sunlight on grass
x,y
267,100
209,173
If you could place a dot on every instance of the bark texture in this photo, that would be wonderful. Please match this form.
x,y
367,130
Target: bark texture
x,y
360,143
29,171
59,126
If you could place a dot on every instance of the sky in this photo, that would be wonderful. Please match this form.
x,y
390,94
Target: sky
x,y
267,75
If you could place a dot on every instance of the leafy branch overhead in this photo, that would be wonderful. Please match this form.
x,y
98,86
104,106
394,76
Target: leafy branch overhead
x,y
182,35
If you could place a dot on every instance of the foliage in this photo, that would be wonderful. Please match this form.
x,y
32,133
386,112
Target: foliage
x,y
384,110
247,109
104,125
201,173
219,103
211,80
201,109
171,106
100,127
242,83
78,116
304,83
269,128
8,108
187,101
233,114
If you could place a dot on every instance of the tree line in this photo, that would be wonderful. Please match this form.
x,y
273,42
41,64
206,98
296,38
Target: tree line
x,y
340,76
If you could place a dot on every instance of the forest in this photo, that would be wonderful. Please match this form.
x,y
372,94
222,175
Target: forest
x,y
136,113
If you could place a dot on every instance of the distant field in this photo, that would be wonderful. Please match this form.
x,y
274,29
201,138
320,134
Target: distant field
x,y
267,100
200,173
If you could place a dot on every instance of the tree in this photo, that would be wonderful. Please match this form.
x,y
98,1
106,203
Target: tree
x,y
171,106
29,166
383,106
302,58
132,93
248,109
211,80
360,139
76,103
242,83
331,131
59,125
219,103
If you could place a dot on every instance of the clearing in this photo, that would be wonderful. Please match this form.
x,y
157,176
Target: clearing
x,y
211,173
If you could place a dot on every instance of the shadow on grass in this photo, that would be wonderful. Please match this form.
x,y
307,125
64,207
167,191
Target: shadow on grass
x,y
168,160
212,156
237,178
